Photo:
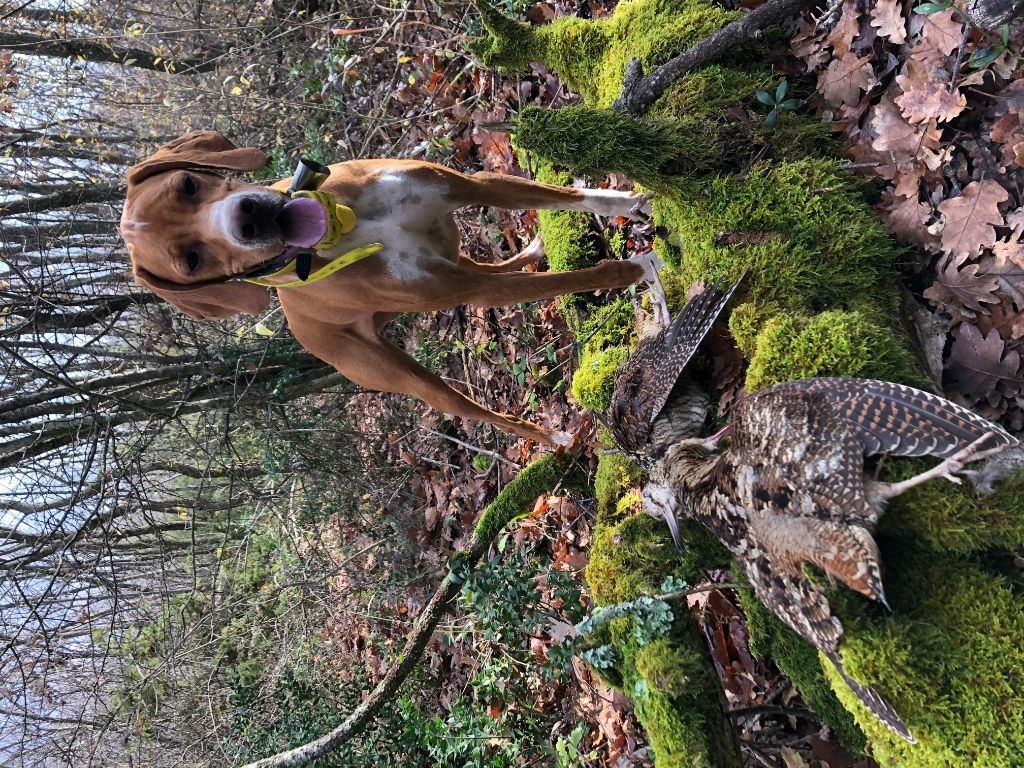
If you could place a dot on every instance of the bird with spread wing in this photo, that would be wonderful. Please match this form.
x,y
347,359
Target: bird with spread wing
x,y
787,488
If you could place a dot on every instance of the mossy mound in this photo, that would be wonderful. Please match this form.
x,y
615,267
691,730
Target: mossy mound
x,y
949,658
834,343
591,57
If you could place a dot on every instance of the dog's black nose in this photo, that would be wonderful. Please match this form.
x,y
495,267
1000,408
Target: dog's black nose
x,y
254,219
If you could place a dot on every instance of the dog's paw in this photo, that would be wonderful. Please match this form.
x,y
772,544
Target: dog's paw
x,y
651,265
612,202
641,209
533,252
562,439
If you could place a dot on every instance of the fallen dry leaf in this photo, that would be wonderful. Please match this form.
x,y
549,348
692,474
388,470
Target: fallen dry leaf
x,y
941,36
1009,132
971,289
841,37
905,217
894,133
981,367
926,95
887,18
845,78
969,220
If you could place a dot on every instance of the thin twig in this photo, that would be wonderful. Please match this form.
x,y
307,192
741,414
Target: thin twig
x,y
471,447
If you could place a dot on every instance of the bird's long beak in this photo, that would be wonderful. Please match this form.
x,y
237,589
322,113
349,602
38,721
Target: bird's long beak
x,y
673,527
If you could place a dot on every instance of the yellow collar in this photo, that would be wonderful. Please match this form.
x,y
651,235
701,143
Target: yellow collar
x,y
340,221
328,269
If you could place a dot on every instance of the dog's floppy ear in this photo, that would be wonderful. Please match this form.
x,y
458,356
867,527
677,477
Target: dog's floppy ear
x,y
200,150
207,301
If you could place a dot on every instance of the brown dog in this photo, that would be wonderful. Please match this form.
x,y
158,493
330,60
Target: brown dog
x,y
193,234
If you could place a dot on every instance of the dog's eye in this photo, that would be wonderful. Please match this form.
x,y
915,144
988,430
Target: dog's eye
x,y
192,261
189,186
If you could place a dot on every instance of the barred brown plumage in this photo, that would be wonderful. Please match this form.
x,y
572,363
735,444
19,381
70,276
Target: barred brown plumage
x,y
790,489
643,384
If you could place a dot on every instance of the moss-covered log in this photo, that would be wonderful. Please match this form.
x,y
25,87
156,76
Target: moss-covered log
x,y
822,297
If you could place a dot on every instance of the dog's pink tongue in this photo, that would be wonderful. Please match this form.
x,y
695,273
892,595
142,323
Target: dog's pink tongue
x,y
303,222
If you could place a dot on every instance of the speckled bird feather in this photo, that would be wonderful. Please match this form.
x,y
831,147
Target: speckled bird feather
x,y
643,384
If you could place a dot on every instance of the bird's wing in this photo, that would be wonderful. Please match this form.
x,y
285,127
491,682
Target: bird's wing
x,y
802,457
644,382
892,418
794,599
803,607
683,338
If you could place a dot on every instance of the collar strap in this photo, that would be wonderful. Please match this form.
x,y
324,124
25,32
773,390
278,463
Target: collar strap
x,y
340,221
328,269
340,218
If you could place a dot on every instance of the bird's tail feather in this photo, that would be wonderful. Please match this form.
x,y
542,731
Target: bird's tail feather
x,y
877,705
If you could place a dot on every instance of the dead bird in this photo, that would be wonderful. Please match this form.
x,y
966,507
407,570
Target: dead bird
x,y
788,487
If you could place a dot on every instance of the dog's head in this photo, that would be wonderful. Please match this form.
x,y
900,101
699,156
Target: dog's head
x,y
190,230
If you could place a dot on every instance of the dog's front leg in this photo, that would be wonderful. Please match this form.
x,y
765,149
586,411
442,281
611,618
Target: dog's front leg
x,y
499,190
372,362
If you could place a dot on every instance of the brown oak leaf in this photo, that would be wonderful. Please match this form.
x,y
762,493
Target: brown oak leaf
x,y
905,217
1015,221
848,27
908,179
969,220
893,133
924,96
845,78
1007,321
972,290
1009,132
981,367
887,18
807,45
941,35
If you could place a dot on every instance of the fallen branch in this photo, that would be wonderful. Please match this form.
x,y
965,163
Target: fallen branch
x,y
639,92
518,496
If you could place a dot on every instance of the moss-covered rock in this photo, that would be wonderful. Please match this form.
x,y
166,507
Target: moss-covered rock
x,y
834,343
593,382
949,658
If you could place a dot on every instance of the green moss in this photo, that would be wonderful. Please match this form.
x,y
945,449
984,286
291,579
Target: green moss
x,y
705,93
593,382
518,496
632,555
596,142
679,700
949,659
799,660
801,229
609,325
834,343
615,475
591,56
677,695
954,518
